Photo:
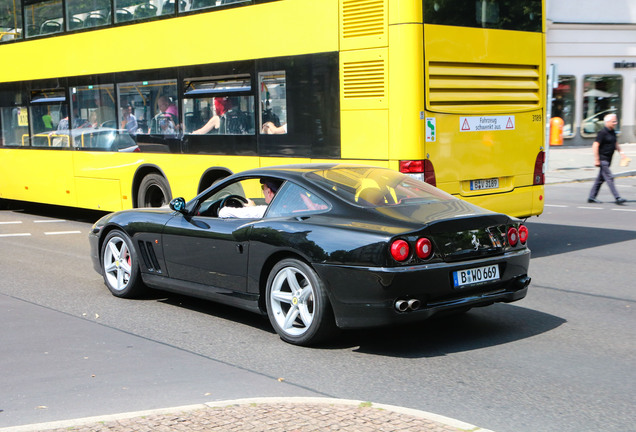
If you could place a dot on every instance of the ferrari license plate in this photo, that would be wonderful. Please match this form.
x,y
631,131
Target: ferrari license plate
x,y
492,183
475,275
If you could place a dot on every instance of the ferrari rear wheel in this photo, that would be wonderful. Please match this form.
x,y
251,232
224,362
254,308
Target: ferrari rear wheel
x,y
120,267
297,304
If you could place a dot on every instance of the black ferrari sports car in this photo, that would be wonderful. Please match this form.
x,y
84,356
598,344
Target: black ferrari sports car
x,y
318,247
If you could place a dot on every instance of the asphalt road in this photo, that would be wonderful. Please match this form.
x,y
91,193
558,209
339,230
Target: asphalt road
x,y
561,359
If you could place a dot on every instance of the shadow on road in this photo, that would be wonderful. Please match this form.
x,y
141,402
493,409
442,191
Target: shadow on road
x,y
53,211
480,328
549,239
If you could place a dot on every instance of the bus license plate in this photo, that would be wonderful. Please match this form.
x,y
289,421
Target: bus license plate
x,y
475,275
492,183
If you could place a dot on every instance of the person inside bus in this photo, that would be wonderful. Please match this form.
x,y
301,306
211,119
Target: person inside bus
x,y
129,121
221,105
269,128
251,210
165,122
105,112
47,120
92,119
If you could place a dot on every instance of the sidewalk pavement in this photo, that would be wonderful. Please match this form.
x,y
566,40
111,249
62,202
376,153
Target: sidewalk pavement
x,y
264,415
564,164
569,164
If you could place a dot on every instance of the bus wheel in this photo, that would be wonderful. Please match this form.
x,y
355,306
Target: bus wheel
x,y
154,191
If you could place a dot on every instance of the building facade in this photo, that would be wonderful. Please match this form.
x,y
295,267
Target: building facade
x,y
592,47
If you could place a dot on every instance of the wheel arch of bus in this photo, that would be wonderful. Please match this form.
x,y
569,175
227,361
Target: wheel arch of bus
x,y
151,188
211,176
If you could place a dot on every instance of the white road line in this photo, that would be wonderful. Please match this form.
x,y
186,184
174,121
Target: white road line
x,y
16,235
11,223
627,210
49,221
62,232
591,208
555,205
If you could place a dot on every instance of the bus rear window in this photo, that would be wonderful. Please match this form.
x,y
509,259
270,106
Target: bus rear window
x,y
493,14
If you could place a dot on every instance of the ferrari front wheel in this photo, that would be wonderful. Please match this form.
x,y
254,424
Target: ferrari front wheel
x,y
120,267
297,304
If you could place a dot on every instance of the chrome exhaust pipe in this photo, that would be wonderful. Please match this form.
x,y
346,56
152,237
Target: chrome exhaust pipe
x,y
414,304
523,282
401,305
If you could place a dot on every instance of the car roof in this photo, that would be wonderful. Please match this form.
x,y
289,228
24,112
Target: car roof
x,y
298,170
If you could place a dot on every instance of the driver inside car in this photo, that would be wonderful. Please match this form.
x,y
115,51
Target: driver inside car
x,y
251,210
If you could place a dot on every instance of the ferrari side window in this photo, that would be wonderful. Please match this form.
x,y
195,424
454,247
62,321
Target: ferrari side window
x,y
293,200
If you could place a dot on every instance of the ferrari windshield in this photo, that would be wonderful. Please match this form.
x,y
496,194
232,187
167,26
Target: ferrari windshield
x,y
376,187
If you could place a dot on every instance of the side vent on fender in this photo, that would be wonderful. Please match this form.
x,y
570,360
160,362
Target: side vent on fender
x,y
148,256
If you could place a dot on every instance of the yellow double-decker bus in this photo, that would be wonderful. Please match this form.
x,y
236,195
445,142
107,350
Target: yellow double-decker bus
x,y
113,104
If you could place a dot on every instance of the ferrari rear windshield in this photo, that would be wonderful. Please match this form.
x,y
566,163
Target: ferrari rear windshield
x,y
376,187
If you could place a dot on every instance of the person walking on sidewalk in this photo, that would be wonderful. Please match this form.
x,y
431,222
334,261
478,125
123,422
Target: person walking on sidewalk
x,y
603,149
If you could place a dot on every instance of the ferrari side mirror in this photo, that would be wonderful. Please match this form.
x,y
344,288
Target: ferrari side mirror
x,y
178,204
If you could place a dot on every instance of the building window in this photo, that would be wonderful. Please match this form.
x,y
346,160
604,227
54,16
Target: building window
x,y
563,103
601,96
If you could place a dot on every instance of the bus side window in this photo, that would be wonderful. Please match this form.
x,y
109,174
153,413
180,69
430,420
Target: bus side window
x,y
219,106
273,102
14,118
47,111
148,107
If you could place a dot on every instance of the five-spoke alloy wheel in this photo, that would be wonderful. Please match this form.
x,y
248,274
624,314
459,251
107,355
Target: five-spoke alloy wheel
x,y
119,265
297,304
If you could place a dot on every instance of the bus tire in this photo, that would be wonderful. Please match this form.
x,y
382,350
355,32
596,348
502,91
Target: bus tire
x,y
154,191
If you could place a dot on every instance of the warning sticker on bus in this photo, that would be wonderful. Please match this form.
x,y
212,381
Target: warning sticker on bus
x,y
486,123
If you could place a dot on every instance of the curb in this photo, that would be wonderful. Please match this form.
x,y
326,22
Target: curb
x,y
248,401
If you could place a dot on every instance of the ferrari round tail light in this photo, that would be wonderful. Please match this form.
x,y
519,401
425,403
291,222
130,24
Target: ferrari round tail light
x,y
399,250
523,234
423,248
513,236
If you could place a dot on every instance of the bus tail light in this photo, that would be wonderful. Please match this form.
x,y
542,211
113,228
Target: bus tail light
x,y
539,169
419,169
399,250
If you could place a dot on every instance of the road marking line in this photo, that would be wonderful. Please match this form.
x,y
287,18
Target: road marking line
x,y
62,232
556,205
11,223
627,210
49,221
591,208
16,235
